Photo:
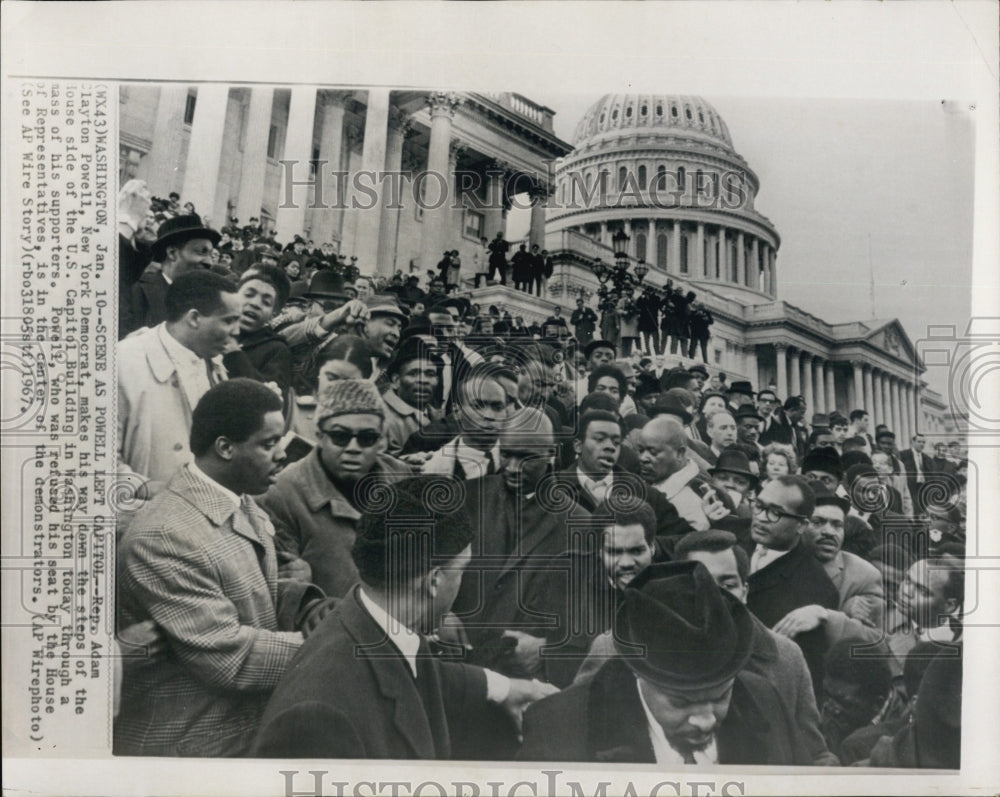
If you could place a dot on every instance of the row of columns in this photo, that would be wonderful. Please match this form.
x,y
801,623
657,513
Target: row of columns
x,y
707,254
888,399
372,228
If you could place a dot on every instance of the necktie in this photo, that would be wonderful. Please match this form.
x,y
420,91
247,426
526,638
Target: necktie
x,y
491,467
210,370
759,558
916,463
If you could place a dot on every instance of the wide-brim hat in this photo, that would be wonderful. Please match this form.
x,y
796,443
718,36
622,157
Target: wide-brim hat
x,y
732,460
326,285
748,411
692,634
820,420
413,348
700,369
381,304
742,388
180,229
594,345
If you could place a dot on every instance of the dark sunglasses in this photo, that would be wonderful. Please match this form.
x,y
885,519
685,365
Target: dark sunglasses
x,y
342,437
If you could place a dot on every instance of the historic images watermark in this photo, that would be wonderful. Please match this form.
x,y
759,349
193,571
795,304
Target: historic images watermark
x,y
429,190
323,783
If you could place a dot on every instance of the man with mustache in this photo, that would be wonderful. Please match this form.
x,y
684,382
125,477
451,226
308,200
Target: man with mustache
x,y
414,376
316,502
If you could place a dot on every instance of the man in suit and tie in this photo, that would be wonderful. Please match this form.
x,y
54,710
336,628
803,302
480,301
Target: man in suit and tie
x,y
480,412
918,468
367,684
784,573
596,473
860,612
199,562
788,427
767,403
164,371
183,244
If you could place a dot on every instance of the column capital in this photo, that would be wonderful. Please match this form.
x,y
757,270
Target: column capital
x,y
443,103
456,148
332,97
355,134
399,120
781,346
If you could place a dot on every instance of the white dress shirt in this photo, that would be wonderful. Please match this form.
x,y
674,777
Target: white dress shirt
x,y
763,556
598,489
191,369
407,642
662,749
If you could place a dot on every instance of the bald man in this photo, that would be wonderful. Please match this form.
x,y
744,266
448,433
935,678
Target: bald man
x,y
521,543
664,464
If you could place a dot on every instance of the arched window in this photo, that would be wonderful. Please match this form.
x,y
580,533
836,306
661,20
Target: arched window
x,y
644,111
614,114
640,246
715,184
687,113
621,177
733,264
701,117
661,251
699,182
673,111
642,178
684,254
661,177
681,178
628,112
659,110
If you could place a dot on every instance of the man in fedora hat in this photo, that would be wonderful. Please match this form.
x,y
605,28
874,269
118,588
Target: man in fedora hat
x,y
739,393
748,423
677,693
182,244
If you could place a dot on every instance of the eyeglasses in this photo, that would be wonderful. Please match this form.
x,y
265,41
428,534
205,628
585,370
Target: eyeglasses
x,y
773,513
342,437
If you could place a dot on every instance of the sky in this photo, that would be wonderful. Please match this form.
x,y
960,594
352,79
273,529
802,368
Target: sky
x,y
842,178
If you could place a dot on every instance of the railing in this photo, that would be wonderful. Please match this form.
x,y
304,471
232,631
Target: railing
x,y
522,106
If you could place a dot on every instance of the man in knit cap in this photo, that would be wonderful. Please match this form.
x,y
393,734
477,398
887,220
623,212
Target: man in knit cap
x,y
315,502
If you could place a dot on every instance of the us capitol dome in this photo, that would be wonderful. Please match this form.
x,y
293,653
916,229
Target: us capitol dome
x,y
663,169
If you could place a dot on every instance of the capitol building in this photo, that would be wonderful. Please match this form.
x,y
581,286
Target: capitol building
x,y
662,169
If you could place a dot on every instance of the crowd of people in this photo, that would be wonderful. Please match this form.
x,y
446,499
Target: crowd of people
x,y
377,521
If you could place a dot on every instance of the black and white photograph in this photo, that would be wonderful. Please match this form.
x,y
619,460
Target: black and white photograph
x,y
563,432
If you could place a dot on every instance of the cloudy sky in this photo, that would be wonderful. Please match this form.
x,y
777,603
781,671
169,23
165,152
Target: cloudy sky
x,y
840,178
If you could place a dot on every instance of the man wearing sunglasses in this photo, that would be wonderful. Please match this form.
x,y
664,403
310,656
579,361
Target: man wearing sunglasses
x,y
315,502
784,571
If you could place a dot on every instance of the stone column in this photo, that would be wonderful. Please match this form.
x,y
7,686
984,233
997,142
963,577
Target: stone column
x,y
442,106
201,172
398,125
699,253
741,260
858,397
886,403
781,368
819,395
805,380
539,199
773,271
897,415
369,210
604,233
291,215
830,377
253,165
753,271
878,407
161,167
911,409
674,265
750,365
868,402
496,177
794,372
723,266
326,214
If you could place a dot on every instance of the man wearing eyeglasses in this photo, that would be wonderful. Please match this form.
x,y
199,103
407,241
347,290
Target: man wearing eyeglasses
x,y
784,572
315,502
861,608
767,402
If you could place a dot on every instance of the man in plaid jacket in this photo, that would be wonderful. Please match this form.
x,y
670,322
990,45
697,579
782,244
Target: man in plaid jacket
x,y
199,562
